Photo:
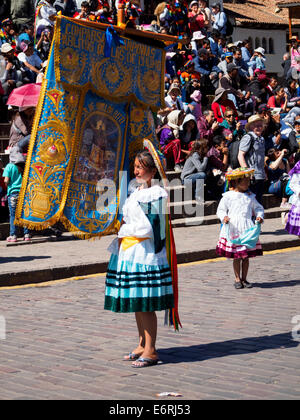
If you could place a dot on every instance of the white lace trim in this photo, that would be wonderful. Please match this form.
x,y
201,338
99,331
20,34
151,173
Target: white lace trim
x,y
150,194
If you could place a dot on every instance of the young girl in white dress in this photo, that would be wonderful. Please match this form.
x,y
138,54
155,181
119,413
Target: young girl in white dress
x,y
236,211
139,275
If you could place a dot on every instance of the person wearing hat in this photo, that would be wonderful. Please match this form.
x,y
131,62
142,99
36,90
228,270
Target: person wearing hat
x,y
12,76
228,58
229,80
197,18
221,103
173,101
252,153
239,235
45,16
7,33
257,61
13,179
219,18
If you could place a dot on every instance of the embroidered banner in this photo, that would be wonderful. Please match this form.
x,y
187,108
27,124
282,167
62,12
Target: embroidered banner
x,y
93,114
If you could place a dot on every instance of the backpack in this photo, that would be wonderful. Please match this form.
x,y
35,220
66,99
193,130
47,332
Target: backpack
x,y
229,26
234,151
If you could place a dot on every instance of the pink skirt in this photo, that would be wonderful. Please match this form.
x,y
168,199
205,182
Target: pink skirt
x,y
228,250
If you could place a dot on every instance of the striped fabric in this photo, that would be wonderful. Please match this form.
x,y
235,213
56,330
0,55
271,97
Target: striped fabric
x,y
293,223
228,250
134,287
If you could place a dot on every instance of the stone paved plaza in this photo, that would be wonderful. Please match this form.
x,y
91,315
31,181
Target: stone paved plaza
x,y
235,344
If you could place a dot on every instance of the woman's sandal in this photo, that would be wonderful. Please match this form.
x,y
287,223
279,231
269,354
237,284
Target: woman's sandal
x,y
131,357
144,362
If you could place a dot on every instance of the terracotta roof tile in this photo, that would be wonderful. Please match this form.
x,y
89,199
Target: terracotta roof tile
x,y
258,11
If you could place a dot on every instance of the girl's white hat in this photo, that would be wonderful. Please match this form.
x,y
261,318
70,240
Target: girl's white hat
x,y
260,50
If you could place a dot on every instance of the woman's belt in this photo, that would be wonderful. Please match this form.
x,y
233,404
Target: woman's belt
x,y
129,241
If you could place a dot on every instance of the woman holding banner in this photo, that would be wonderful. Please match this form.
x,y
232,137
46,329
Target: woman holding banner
x,y
140,277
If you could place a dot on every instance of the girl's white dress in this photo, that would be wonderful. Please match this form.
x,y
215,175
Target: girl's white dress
x,y
138,276
240,208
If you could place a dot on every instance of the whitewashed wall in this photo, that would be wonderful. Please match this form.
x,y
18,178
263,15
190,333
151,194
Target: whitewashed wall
x,y
273,63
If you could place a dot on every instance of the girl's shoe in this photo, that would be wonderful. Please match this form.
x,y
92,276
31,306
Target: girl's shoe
x,y
247,284
238,285
12,238
27,237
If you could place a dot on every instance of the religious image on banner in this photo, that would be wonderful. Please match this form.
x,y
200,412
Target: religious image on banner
x,y
96,106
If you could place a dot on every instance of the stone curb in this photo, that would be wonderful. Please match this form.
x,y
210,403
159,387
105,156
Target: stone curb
x,y
67,272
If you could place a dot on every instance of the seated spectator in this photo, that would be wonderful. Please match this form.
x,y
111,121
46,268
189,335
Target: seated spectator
x,y
218,158
26,35
232,128
30,60
44,44
292,92
66,7
273,83
12,76
196,167
294,137
220,103
219,18
195,106
218,154
7,33
258,89
208,21
41,76
21,126
207,126
192,85
45,16
279,100
206,65
278,169
246,50
216,48
257,61
188,133
228,58
169,140
229,81
84,12
173,101
196,17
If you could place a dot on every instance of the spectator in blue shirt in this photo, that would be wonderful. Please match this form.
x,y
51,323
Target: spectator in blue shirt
x,y
246,51
219,18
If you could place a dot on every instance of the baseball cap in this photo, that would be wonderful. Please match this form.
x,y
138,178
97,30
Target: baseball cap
x,y
232,66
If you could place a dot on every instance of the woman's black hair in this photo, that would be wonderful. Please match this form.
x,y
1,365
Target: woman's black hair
x,y
146,160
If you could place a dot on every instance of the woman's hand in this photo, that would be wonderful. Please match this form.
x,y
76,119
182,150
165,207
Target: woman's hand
x,y
259,220
226,220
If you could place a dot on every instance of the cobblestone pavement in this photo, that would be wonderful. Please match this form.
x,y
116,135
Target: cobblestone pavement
x,y
235,344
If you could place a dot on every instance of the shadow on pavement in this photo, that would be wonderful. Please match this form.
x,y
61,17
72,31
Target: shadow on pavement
x,y
273,284
4,260
201,352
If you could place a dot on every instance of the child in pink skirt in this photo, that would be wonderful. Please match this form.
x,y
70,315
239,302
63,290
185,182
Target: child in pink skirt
x,y
239,235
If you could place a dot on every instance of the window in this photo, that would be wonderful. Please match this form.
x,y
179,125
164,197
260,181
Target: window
x,y
271,46
264,45
257,42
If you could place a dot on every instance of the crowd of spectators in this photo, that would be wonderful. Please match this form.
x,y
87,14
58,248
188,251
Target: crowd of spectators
x,y
222,109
